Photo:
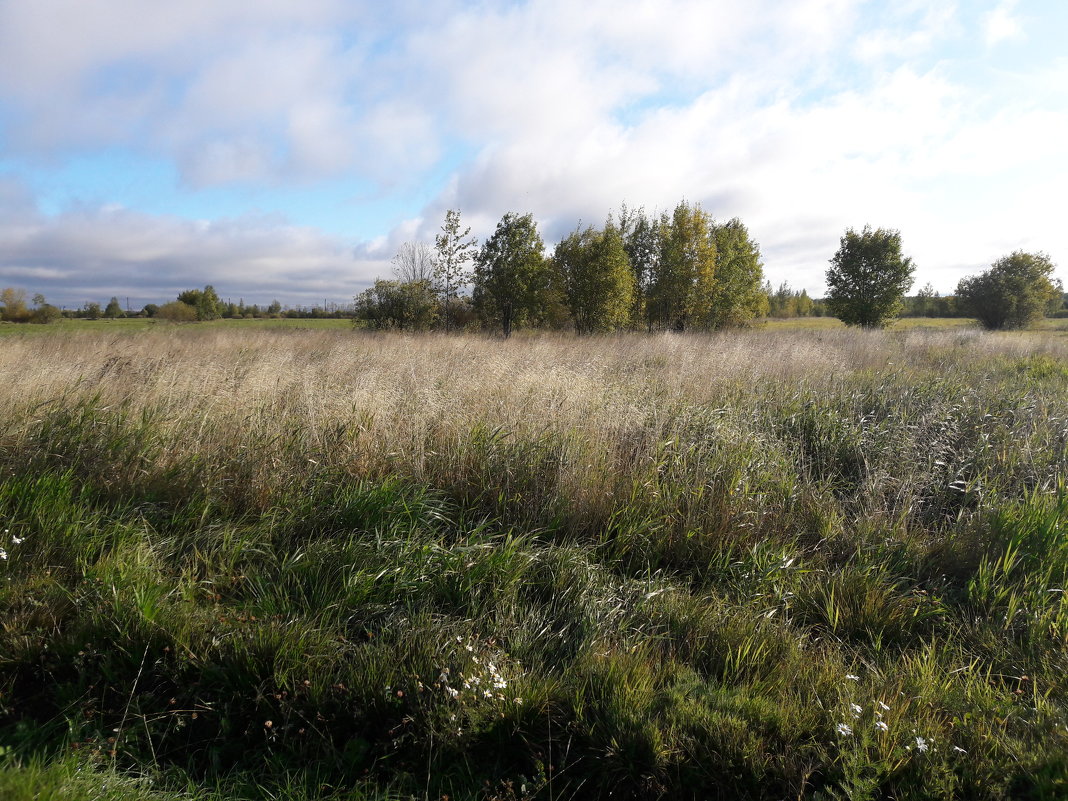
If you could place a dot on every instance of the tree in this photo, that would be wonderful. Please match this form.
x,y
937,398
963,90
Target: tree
x,y
1016,290
14,305
597,278
454,251
513,285
205,302
643,239
414,262
113,309
91,310
868,277
682,286
736,296
410,305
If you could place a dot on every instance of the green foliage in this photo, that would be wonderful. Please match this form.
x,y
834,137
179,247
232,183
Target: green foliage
x,y
514,285
205,302
868,278
1015,291
92,311
737,297
597,278
113,309
454,249
403,306
682,288
643,237
177,312
46,313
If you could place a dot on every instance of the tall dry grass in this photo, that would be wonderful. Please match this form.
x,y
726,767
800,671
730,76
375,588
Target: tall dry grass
x,y
690,556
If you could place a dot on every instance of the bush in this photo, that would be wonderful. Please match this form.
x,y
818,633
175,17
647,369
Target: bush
x,y
1015,291
177,312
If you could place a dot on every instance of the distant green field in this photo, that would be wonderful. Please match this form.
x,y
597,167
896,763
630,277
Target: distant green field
x,y
136,324
140,324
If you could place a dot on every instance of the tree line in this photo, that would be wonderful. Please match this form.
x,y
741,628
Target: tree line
x,y
678,271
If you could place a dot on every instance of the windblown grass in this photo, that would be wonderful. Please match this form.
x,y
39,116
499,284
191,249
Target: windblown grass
x,y
263,564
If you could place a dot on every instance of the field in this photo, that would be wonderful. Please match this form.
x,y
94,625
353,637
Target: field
x,y
263,563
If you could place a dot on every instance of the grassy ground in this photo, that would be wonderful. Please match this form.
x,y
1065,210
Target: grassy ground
x,y
275,564
139,324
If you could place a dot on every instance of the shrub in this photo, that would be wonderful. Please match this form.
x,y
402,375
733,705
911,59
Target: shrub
x,y
1015,291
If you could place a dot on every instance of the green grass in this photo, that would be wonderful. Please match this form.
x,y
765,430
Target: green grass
x,y
139,324
250,564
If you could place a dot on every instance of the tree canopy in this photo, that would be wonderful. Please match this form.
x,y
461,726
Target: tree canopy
x,y
513,285
597,278
1016,290
868,277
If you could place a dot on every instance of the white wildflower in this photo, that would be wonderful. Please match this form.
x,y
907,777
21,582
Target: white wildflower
x,y
921,744
881,726
843,729
856,709
884,707
851,677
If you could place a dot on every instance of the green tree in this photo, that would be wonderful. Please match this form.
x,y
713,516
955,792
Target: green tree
x,y
682,287
597,279
513,284
1015,291
399,305
113,309
91,310
643,238
868,278
205,302
454,249
736,296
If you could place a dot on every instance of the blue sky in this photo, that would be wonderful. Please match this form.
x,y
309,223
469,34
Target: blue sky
x,y
285,149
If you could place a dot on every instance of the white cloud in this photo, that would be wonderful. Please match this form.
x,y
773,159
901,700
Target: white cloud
x,y
801,118
1001,24
95,252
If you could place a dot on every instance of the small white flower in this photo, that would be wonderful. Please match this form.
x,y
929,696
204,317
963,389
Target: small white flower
x,y
881,726
857,709
959,750
3,554
18,540
843,729
884,707
851,677
921,744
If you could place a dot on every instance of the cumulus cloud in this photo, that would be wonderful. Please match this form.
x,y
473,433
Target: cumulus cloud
x,y
801,118
1001,25
92,253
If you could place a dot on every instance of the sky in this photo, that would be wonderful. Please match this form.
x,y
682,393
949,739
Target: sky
x,y
285,149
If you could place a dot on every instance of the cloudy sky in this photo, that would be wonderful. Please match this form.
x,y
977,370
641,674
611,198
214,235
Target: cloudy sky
x,y
286,148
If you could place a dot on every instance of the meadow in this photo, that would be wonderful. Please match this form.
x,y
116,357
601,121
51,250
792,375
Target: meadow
x,y
264,563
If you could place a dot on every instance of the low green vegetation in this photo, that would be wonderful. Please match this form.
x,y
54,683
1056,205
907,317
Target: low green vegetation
x,y
262,564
